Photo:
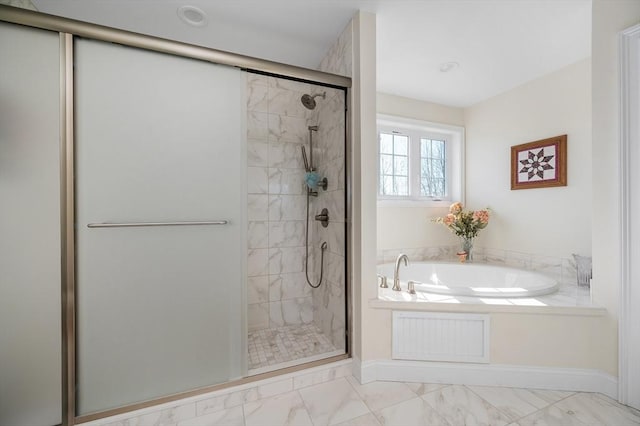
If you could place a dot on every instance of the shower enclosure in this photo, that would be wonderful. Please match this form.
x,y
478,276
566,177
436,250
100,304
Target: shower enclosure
x,y
191,232
289,321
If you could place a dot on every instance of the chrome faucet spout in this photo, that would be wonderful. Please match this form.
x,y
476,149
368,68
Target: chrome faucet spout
x,y
396,274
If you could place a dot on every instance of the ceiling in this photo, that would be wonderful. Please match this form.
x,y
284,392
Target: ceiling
x,y
498,44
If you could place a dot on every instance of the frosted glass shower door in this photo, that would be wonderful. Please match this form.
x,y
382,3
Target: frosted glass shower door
x,y
159,308
30,337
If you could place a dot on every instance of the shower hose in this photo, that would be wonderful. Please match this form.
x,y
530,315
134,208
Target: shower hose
x,y
323,247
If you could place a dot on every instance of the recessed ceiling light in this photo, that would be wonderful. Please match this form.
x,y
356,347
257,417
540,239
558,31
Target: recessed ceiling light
x,y
448,66
193,16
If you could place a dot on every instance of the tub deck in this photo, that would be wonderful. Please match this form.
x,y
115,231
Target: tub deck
x,y
568,300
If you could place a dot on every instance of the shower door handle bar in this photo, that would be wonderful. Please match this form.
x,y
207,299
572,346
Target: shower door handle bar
x,y
136,224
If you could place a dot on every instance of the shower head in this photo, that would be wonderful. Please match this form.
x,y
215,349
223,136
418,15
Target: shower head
x,y
309,101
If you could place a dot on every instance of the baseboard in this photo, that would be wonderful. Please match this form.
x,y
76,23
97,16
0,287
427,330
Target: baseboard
x,y
517,376
357,369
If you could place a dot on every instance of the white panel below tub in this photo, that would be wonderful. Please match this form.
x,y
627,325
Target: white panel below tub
x,y
427,336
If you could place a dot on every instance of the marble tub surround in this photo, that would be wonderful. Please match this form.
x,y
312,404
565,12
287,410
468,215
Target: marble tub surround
x,y
331,396
440,254
561,269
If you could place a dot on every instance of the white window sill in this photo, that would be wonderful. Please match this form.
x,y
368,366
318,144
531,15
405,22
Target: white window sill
x,y
387,202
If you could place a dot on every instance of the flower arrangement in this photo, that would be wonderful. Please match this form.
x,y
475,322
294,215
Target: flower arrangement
x,y
465,224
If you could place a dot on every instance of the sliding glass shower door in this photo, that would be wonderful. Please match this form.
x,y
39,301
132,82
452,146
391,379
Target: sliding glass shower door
x,y
160,235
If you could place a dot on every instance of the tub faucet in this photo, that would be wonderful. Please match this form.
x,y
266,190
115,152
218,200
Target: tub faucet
x,y
396,275
383,281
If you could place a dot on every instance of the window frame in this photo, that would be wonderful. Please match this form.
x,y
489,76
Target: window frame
x,y
454,157
393,155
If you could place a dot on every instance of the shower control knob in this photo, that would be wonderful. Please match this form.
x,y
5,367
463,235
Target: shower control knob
x,y
323,218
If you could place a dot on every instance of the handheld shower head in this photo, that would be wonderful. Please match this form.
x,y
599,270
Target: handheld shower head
x,y
309,101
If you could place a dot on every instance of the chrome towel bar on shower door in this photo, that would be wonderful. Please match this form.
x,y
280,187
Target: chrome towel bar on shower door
x,y
132,224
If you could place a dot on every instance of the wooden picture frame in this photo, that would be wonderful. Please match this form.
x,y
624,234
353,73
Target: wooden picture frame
x,y
539,164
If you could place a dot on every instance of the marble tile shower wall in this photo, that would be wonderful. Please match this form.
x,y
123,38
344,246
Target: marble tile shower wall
x,y
277,127
562,269
329,158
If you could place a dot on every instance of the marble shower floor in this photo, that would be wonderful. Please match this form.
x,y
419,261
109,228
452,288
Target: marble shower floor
x,y
275,348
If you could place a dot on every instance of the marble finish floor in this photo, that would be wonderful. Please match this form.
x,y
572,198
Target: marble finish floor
x,y
343,401
276,347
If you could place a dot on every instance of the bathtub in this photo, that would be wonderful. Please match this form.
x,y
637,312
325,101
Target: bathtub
x,y
470,279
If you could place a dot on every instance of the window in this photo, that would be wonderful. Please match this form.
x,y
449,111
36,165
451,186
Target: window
x,y
394,164
433,167
419,161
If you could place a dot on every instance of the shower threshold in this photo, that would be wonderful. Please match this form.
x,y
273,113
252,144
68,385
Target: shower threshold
x,y
277,348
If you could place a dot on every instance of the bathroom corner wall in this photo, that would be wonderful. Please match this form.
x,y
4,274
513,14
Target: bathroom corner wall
x,y
276,128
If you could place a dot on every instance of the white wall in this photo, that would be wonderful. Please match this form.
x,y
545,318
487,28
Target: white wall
x,y
609,18
555,104
419,110
366,322
545,221
403,226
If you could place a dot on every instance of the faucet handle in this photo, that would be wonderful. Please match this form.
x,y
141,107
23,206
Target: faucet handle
x,y
383,281
411,287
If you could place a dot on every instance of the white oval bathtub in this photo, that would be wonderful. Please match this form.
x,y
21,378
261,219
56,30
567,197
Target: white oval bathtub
x,y
470,279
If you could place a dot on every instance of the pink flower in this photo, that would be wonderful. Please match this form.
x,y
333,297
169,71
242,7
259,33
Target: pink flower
x,y
455,208
481,216
449,219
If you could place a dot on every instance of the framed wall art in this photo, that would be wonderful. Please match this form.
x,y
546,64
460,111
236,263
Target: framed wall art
x,y
539,164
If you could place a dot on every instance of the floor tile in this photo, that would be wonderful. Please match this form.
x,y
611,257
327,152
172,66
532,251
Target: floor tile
x,y
378,395
415,411
336,398
424,388
333,402
550,416
617,404
366,420
594,410
513,402
231,417
459,406
285,410
547,397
